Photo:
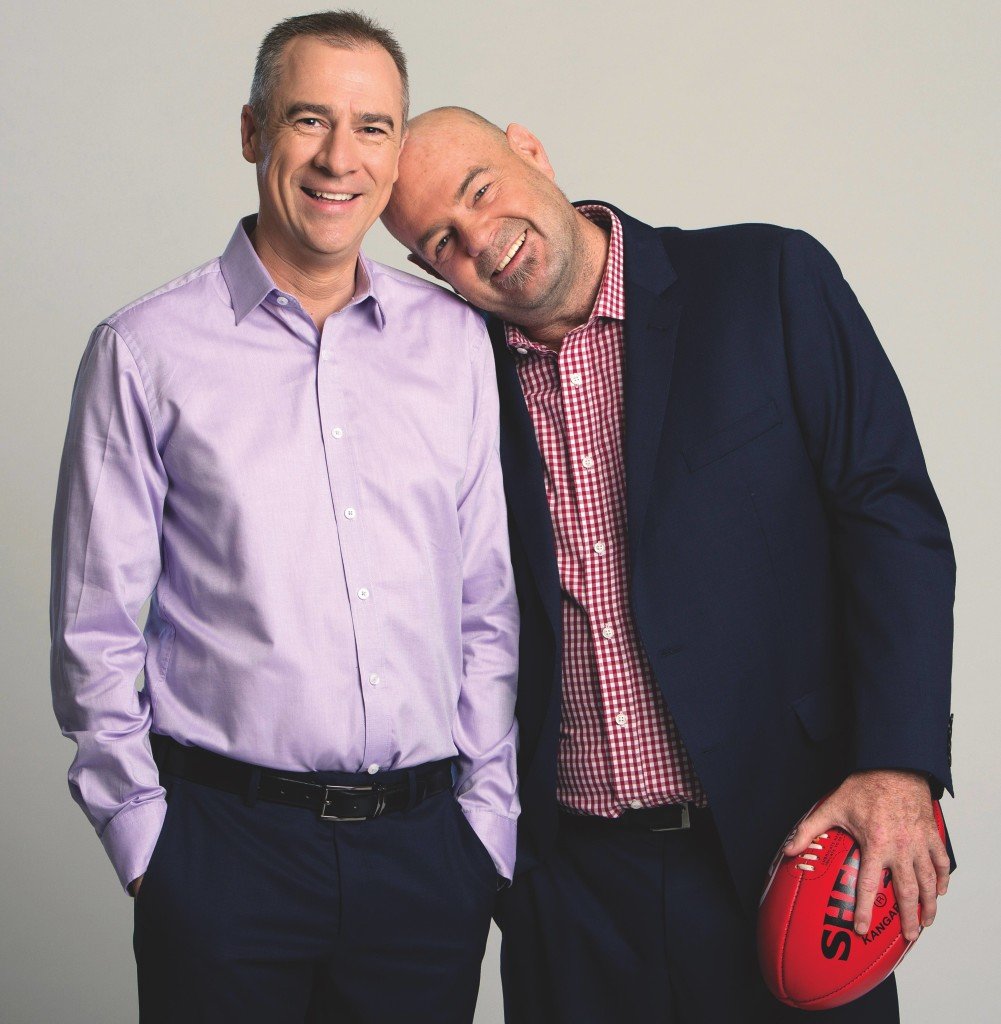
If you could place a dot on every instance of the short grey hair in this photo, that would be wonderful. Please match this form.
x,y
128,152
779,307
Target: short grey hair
x,y
348,29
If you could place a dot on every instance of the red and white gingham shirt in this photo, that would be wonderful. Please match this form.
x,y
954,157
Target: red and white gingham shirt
x,y
619,747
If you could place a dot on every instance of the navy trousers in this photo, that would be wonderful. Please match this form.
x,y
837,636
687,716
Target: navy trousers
x,y
267,914
631,927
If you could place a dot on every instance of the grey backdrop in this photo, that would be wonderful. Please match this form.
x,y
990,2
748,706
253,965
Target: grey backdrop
x,y
872,125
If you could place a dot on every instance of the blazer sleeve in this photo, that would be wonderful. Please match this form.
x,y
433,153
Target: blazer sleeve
x,y
894,559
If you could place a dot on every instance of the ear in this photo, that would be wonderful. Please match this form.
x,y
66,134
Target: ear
x,y
528,147
250,135
424,265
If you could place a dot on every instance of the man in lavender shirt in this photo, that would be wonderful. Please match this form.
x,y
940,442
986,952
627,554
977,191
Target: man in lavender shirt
x,y
294,451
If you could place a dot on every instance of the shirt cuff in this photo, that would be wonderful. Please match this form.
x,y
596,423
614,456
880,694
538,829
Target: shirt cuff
x,y
499,835
130,836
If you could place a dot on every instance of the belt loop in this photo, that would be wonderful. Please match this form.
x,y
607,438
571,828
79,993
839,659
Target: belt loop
x,y
412,783
253,785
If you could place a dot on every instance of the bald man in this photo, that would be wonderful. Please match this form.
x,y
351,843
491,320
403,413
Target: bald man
x,y
736,582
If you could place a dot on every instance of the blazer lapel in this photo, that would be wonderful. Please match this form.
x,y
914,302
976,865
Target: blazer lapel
x,y
653,314
524,484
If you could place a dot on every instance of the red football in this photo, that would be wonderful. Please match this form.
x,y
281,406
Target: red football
x,y
810,956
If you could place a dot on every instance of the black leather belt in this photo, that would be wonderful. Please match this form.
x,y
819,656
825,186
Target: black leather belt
x,y
670,818
333,802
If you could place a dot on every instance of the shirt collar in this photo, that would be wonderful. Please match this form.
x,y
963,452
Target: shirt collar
x,y
250,284
610,302
367,277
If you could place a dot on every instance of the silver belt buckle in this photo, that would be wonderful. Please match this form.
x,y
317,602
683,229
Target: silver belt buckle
x,y
686,822
380,804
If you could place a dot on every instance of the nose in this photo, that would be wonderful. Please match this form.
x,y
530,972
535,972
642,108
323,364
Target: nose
x,y
338,153
476,234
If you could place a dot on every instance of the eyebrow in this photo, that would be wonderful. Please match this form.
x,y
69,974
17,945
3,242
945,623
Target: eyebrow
x,y
466,182
324,111
460,192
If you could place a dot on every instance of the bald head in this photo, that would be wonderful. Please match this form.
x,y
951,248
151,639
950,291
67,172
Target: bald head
x,y
430,137
454,119
479,207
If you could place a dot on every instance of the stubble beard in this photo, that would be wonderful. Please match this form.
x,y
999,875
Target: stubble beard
x,y
552,296
521,274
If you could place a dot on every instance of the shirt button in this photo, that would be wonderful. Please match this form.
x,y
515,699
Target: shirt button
x,y
374,679
587,462
281,300
620,718
608,632
337,432
350,513
522,351
599,547
636,804
325,355
373,769
576,379
363,593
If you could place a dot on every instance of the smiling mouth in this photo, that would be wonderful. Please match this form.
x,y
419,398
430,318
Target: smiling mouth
x,y
329,197
511,253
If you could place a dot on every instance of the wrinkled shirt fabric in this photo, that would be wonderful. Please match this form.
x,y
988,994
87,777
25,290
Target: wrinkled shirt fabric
x,y
319,521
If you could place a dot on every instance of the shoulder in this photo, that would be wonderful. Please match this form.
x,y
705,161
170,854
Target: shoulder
x,y
397,287
190,294
439,316
718,256
721,241
730,242
740,255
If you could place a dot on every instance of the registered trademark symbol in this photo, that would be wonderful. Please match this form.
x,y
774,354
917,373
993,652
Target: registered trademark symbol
x,y
880,899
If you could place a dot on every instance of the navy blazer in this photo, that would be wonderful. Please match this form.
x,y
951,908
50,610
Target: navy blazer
x,y
791,574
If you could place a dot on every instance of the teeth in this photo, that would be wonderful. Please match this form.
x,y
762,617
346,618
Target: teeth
x,y
339,197
510,253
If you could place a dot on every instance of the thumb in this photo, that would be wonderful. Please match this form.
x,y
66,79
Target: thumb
x,y
816,822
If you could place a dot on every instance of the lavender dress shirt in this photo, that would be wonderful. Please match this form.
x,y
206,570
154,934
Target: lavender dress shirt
x,y
319,518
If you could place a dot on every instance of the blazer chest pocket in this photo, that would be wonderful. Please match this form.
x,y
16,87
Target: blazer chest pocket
x,y
733,436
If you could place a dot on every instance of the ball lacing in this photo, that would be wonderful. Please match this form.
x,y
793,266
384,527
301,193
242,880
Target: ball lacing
x,y
804,862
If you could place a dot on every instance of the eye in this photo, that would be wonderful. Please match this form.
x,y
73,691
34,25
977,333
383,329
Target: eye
x,y
308,122
371,129
440,246
478,194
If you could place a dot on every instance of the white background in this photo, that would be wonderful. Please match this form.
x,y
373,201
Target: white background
x,y
872,125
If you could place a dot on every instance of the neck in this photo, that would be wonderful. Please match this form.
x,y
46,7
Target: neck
x,y
321,288
551,325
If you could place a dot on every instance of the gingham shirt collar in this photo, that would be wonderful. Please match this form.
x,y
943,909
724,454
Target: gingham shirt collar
x,y
610,303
